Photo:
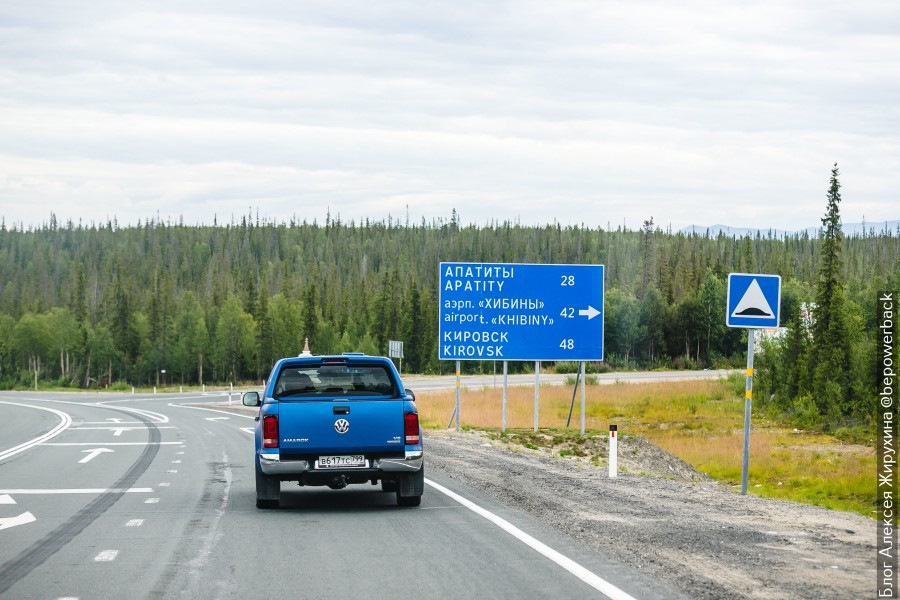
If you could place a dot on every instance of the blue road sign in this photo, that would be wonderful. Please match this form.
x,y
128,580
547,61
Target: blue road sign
x,y
754,301
510,311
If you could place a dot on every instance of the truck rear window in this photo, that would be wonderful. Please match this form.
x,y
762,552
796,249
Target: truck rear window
x,y
330,380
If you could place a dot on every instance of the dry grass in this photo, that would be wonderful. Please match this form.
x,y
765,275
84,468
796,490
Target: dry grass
x,y
701,422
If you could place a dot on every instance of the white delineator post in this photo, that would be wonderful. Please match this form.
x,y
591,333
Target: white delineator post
x,y
613,451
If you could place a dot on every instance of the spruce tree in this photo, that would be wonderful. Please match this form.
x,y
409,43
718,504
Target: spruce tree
x,y
831,344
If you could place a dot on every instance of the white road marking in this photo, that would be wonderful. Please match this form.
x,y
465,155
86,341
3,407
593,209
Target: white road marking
x,y
65,423
7,499
223,412
249,430
176,462
118,427
154,416
78,491
106,556
151,501
590,578
172,471
164,484
107,422
217,418
134,523
92,454
179,453
23,519
110,443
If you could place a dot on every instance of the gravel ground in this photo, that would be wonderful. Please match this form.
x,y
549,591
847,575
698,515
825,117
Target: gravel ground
x,y
673,522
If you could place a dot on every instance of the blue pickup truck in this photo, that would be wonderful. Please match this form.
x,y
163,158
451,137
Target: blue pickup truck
x,y
337,420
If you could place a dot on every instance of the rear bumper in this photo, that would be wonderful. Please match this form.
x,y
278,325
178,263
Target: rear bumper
x,y
271,464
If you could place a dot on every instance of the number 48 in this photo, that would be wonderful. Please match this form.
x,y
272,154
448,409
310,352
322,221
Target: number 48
x,y
567,344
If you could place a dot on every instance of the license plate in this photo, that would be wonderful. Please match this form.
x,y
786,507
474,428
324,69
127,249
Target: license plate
x,y
342,462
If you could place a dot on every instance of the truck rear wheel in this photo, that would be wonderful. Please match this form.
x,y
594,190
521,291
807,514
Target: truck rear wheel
x,y
268,491
410,488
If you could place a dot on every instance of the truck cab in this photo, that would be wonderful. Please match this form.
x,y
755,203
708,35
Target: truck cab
x,y
334,421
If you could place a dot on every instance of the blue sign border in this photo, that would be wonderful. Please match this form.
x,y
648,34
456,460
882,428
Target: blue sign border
x,y
515,313
739,283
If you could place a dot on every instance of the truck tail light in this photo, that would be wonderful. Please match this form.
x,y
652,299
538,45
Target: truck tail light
x,y
270,431
411,427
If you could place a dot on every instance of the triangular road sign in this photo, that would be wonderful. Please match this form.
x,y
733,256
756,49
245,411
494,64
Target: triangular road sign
x,y
753,304
753,300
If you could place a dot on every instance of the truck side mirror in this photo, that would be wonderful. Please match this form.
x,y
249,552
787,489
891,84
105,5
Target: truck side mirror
x,y
411,394
250,399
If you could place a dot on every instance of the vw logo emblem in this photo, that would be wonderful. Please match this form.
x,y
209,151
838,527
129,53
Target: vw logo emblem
x,y
342,426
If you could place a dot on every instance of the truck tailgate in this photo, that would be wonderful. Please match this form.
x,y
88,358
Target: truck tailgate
x,y
309,426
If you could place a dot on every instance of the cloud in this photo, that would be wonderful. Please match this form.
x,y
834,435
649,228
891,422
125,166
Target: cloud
x,y
704,112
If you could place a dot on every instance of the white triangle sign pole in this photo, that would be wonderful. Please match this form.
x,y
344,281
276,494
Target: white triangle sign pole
x,y
748,401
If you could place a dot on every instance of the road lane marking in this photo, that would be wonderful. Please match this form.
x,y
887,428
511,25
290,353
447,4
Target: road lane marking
x,y
164,484
65,423
217,418
23,519
78,491
106,556
118,428
93,454
249,430
6,499
172,471
111,443
224,412
590,578
179,453
151,501
134,523
176,462
39,552
153,416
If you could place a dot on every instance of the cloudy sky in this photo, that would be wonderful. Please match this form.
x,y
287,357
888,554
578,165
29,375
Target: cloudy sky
x,y
575,111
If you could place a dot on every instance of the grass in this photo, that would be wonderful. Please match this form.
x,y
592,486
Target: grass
x,y
701,422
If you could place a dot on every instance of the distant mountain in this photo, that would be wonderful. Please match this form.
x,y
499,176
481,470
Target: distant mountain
x,y
849,229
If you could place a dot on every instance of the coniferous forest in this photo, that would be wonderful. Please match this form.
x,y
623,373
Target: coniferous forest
x,y
99,305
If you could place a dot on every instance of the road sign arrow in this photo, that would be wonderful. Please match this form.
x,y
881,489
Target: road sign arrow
x,y
92,454
590,312
23,519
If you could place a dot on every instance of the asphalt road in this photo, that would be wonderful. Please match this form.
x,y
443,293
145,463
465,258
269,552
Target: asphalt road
x,y
122,496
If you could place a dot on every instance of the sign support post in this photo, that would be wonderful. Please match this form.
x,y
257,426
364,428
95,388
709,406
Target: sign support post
x,y
748,402
537,386
582,397
457,394
753,302
505,373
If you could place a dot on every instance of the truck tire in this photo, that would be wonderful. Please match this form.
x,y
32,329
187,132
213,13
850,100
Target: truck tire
x,y
410,488
268,491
